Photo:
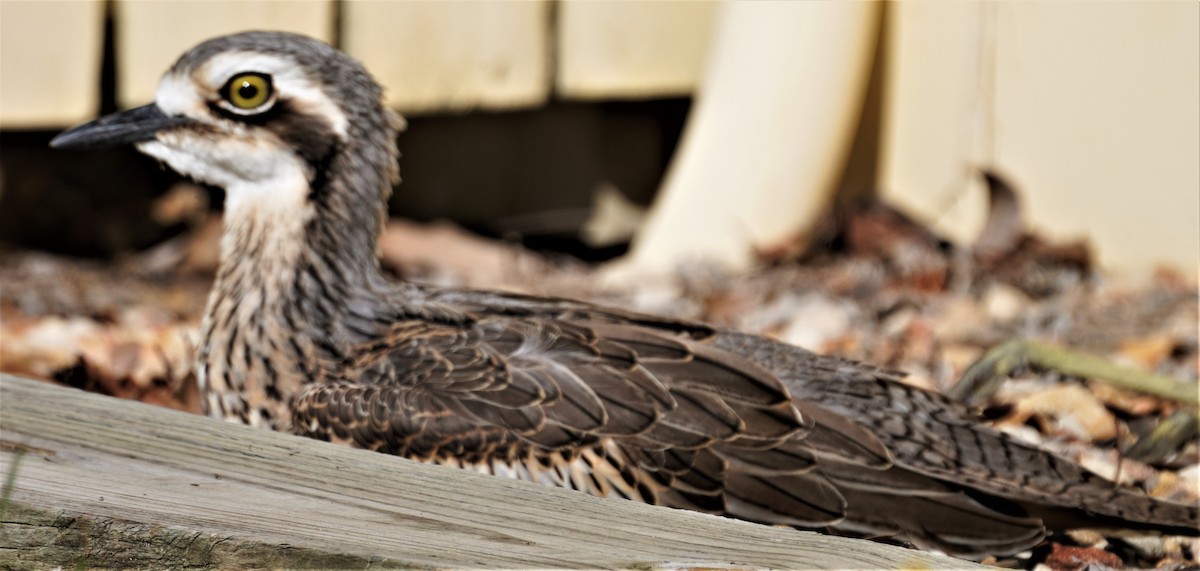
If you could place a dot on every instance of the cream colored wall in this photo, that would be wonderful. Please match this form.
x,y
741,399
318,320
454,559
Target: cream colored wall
x,y
152,34
768,135
437,56
1093,109
632,49
49,83
432,56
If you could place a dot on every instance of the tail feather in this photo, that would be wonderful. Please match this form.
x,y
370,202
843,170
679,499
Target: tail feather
x,y
1126,510
946,465
950,522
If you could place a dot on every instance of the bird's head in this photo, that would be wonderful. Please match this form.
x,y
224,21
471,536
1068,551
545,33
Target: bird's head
x,y
269,116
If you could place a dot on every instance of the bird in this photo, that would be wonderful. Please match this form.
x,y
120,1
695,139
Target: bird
x,y
304,333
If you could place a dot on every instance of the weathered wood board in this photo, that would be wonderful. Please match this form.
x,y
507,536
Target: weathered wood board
x,y
107,483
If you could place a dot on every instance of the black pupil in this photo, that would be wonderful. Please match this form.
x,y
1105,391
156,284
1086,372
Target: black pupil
x,y
247,91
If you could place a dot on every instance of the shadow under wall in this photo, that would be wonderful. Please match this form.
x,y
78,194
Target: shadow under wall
x,y
859,181
528,176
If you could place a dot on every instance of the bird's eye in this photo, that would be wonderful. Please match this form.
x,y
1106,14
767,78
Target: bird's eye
x,y
248,91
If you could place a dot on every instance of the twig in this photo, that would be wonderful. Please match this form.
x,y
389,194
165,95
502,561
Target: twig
x,y
985,376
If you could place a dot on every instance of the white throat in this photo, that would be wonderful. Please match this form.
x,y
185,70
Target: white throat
x,y
265,223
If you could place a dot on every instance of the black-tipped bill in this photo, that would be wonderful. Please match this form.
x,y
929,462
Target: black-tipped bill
x,y
132,126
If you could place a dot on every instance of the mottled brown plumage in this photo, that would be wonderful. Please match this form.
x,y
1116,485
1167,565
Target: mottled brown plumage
x,y
302,333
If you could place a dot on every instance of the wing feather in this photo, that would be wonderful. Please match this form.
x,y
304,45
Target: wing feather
x,y
669,412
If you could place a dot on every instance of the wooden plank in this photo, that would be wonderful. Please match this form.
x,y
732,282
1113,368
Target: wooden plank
x,y
632,49
49,62
152,35
436,56
105,482
1089,107
763,149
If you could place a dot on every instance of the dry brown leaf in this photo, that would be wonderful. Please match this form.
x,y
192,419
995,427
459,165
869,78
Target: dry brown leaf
x,y
445,253
1130,402
40,347
184,201
1070,558
959,356
813,320
1148,352
1110,464
1072,408
1189,482
960,318
1005,225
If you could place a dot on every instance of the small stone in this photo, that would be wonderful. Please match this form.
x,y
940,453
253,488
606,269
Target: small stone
x,y
1005,302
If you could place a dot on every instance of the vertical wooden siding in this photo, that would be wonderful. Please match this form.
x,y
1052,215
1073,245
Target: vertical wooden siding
x,y
150,35
436,56
632,49
432,56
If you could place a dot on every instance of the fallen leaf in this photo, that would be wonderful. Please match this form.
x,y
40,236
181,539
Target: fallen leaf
x,y
1127,401
1148,352
1069,558
1072,408
1005,226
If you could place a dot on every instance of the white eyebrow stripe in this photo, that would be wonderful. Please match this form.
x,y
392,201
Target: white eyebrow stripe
x,y
176,95
288,78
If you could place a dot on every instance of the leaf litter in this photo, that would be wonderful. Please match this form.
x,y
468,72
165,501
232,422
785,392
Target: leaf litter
x,y
869,284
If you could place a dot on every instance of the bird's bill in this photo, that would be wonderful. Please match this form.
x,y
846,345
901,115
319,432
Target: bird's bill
x,y
131,126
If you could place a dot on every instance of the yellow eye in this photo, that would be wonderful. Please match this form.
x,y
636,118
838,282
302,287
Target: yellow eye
x,y
248,91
